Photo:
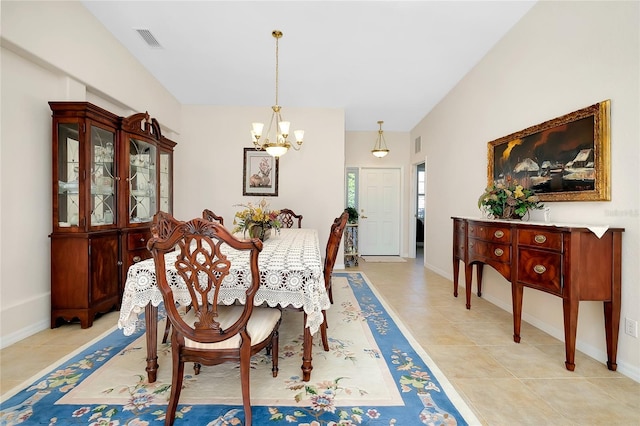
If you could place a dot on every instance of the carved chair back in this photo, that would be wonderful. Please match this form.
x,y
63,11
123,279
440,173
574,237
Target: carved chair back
x,y
287,217
211,216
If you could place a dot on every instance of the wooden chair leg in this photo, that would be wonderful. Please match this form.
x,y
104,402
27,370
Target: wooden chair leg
x,y
274,354
245,368
176,386
167,328
323,333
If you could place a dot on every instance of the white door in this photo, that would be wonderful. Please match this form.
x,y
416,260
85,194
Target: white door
x,y
379,229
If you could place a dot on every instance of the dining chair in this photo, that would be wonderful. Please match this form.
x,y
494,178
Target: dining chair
x,y
287,217
333,244
211,216
209,333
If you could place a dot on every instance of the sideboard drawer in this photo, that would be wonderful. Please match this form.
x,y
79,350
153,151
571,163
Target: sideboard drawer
x,y
540,269
540,238
490,251
138,240
498,234
459,248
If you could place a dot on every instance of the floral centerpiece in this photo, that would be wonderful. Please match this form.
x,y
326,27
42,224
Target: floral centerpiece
x,y
508,201
257,220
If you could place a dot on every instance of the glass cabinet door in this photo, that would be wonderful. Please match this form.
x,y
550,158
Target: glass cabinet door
x,y
103,179
68,173
142,181
165,182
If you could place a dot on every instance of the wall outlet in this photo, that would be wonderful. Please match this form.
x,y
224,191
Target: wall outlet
x,y
631,327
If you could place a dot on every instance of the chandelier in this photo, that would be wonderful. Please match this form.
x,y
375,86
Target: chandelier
x,y
275,144
380,148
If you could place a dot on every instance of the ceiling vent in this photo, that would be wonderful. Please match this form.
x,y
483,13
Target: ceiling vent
x,y
149,38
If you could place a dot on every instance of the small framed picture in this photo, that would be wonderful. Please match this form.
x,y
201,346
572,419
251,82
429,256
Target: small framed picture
x,y
259,173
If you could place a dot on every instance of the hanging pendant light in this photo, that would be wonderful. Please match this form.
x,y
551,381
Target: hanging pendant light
x,y
380,148
275,144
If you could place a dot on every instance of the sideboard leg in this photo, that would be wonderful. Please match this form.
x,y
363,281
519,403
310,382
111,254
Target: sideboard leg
x,y
611,327
456,274
612,308
468,275
570,310
479,267
516,298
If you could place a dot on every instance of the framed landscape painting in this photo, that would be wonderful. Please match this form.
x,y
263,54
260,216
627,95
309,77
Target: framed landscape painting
x,y
564,159
259,173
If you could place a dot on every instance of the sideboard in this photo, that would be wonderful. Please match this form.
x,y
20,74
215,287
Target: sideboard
x,y
574,262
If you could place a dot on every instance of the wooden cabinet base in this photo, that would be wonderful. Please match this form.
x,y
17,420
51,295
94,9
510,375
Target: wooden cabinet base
x,y
86,316
567,261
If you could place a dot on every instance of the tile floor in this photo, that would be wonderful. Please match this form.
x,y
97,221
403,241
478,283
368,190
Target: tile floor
x,y
504,383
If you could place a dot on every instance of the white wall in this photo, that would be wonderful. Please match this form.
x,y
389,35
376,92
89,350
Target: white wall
x,y
210,160
561,57
358,146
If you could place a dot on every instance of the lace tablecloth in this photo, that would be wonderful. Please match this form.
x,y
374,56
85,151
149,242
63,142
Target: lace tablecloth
x,y
291,274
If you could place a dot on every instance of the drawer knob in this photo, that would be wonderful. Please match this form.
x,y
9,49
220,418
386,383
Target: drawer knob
x,y
142,240
136,259
539,269
498,252
499,233
540,239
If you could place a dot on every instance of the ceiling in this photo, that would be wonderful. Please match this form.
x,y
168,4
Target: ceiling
x,y
377,60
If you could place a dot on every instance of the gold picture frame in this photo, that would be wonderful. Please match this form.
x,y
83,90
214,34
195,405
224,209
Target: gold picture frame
x,y
564,159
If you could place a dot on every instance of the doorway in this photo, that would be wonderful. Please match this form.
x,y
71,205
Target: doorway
x,y
420,209
379,202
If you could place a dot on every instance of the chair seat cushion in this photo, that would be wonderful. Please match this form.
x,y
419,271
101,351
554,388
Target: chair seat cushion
x,y
260,325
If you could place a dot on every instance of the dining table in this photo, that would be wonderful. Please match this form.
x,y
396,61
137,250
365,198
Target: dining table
x,y
291,276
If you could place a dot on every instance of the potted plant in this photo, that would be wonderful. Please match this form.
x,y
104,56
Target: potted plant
x,y
258,220
508,201
353,214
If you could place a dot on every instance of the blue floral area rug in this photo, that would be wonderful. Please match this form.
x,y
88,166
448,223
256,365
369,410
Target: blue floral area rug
x,y
374,374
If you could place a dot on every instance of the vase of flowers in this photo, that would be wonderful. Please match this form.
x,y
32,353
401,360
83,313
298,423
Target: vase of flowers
x,y
256,220
508,201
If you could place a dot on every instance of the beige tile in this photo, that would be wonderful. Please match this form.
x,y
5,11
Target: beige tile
x,y
508,401
458,361
583,402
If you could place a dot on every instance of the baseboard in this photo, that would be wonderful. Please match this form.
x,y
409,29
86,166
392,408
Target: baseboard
x,y
23,333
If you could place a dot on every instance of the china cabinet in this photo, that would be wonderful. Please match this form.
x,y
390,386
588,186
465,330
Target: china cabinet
x,y
110,175
147,186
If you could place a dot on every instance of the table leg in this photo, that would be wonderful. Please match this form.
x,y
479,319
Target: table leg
x,y
307,346
151,333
